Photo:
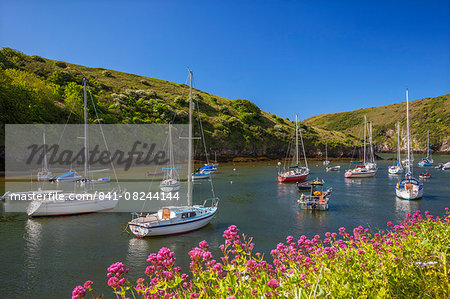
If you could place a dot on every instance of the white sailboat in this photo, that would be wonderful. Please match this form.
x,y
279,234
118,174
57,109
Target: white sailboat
x,y
409,188
428,161
72,203
397,167
173,219
364,170
44,174
326,162
170,182
371,164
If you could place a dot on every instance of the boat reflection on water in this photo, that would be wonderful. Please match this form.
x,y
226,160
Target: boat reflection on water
x,y
353,181
32,250
309,219
402,207
138,251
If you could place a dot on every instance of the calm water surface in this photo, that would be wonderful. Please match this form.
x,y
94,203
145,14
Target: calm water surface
x,y
47,257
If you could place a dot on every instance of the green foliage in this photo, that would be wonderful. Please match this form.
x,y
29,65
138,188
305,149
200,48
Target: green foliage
x,y
38,58
224,110
61,64
245,106
107,74
181,101
409,260
73,98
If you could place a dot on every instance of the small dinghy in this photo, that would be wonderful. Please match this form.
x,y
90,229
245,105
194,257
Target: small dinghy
x,y
425,175
308,184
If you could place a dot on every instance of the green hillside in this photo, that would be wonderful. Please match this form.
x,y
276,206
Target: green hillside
x,y
39,90
431,114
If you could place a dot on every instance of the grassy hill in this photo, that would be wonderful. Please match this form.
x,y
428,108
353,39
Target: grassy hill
x,y
431,114
34,89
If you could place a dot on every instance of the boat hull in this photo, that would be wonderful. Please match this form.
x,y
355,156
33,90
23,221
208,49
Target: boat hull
x,y
361,174
170,228
293,178
68,207
395,170
409,194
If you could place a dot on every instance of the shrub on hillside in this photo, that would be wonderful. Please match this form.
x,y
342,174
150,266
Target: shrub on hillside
x,y
61,64
245,106
38,58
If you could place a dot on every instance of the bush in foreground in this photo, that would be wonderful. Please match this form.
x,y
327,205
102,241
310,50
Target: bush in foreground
x,y
408,260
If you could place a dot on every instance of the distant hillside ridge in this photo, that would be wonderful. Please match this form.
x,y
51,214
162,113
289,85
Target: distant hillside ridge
x,y
34,89
431,114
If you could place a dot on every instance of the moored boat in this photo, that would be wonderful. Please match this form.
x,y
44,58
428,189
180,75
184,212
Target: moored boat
x,y
181,219
425,175
428,160
73,203
333,168
409,188
317,199
397,167
360,171
307,185
296,173
368,168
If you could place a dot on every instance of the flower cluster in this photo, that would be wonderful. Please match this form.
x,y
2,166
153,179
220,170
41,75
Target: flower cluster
x,y
408,258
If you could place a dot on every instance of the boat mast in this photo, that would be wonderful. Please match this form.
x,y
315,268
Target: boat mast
x,y
398,144
408,167
428,148
296,140
45,154
372,154
189,180
365,128
171,158
85,136
326,152
303,147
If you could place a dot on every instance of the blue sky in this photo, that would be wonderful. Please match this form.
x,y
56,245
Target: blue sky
x,y
306,57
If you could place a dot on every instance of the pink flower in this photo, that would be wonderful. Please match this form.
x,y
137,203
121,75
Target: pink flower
x,y
254,292
289,239
273,284
112,282
203,245
140,280
78,292
88,284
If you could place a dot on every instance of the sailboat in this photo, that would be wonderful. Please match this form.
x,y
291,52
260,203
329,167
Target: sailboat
x,y
70,176
177,219
371,164
365,170
72,203
295,173
208,169
44,174
409,188
397,168
326,162
170,182
428,161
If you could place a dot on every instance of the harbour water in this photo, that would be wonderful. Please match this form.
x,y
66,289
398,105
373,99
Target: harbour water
x,y
48,257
